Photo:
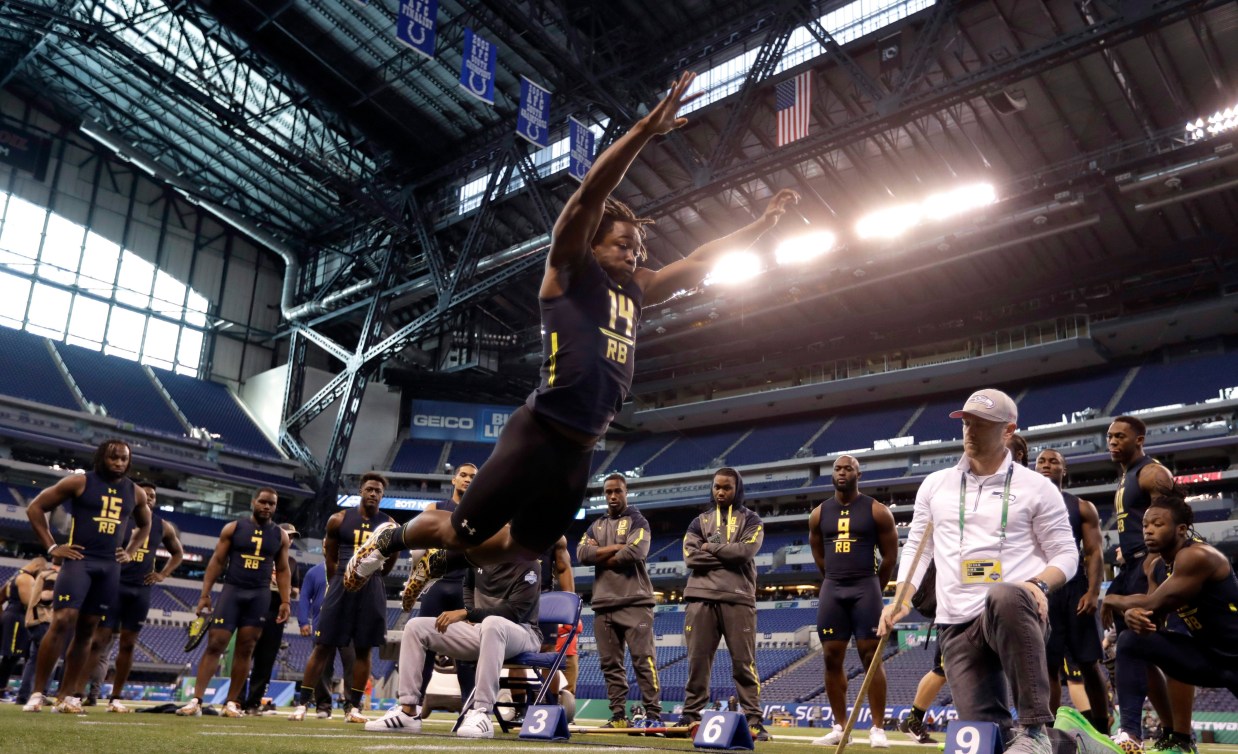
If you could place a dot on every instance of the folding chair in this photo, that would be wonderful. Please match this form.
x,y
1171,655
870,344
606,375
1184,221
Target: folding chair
x,y
554,609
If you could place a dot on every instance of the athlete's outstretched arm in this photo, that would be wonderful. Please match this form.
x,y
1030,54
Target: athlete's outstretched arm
x,y
692,269
582,213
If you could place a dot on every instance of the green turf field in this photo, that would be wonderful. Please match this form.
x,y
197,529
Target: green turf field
x,y
100,733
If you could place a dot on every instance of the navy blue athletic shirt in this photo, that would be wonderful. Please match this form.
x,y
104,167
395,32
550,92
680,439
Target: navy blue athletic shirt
x,y
589,345
251,556
134,572
850,536
1212,614
1076,529
99,516
354,529
1131,502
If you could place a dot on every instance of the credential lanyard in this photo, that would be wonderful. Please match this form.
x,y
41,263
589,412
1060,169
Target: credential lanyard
x,y
1001,537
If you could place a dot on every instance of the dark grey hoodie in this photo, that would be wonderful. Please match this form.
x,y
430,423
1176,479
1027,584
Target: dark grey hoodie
x,y
724,570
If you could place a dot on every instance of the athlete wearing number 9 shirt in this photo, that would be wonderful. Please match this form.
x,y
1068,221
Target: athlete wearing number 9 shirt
x,y
591,297
250,549
103,501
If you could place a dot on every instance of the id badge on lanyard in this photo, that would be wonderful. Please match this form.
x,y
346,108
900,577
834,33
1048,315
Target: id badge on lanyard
x,y
983,570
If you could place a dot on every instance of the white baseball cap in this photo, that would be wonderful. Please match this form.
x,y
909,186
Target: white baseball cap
x,y
991,404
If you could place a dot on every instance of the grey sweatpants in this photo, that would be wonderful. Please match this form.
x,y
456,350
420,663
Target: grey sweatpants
x,y
704,624
488,644
631,625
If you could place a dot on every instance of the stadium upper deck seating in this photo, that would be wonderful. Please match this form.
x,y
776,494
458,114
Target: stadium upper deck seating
x,y
122,387
418,456
213,406
39,379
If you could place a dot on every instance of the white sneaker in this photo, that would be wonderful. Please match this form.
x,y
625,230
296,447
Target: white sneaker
x,y
832,738
1123,740
232,709
298,713
476,724
116,705
34,703
69,705
193,709
395,721
354,715
877,738
368,559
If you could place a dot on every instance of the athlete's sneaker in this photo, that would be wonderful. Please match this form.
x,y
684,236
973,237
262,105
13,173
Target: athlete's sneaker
x,y
1088,739
1174,744
193,709
618,722
232,709
759,733
323,714
395,721
353,715
1030,741
70,705
368,559
476,724
914,728
832,738
420,576
1128,743
298,713
877,738
116,705
34,703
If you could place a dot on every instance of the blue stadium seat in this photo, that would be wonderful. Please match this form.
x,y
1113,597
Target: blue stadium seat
x,y
39,379
418,457
122,387
211,405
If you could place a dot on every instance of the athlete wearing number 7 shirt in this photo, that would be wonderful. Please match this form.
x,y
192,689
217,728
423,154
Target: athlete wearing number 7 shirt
x,y
591,299
103,501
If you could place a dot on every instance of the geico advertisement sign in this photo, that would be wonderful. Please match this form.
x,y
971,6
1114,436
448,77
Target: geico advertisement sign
x,y
444,422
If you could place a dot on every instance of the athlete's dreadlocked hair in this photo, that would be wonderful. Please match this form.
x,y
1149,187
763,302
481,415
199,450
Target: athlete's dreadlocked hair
x,y
99,463
1174,501
616,211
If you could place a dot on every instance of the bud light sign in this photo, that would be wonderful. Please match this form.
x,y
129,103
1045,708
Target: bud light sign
x,y
458,422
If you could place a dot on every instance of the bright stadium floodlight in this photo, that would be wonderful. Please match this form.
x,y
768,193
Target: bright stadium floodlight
x,y
888,223
957,201
734,268
804,247
1217,123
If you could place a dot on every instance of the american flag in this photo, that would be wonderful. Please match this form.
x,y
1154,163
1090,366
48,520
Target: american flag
x,y
793,103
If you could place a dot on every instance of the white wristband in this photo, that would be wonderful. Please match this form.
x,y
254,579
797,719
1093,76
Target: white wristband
x,y
53,547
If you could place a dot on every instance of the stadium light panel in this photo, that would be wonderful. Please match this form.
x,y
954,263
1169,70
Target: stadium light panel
x,y
1218,123
734,268
804,247
895,221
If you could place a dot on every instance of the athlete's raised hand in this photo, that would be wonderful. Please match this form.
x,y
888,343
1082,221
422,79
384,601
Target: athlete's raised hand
x,y
665,115
777,207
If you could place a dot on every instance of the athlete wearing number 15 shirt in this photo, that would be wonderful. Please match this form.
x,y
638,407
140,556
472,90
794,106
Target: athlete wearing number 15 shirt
x,y
103,501
591,297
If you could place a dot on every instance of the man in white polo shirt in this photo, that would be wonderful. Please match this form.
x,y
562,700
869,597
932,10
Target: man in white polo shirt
x,y
1002,541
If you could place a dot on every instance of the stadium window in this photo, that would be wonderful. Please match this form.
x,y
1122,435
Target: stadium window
x,y
62,281
546,162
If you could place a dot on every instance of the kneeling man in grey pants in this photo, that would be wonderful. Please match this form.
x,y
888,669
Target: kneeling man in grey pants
x,y
499,621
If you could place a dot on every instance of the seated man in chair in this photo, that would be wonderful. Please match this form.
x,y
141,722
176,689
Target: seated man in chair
x,y
498,622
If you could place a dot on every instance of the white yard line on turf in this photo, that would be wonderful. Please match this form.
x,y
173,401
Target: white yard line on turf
x,y
110,722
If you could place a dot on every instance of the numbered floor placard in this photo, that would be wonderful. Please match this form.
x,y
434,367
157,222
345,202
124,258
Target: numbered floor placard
x,y
963,737
545,722
723,730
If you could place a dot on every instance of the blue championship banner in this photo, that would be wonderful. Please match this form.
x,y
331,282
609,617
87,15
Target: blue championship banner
x,y
463,422
416,24
481,58
533,123
580,153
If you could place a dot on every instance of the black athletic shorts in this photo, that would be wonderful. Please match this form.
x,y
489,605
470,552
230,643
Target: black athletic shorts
x,y
1071,635
236,608
849,607
131,610
938,668
352,618
13,635
536,478
1129,580
91,586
